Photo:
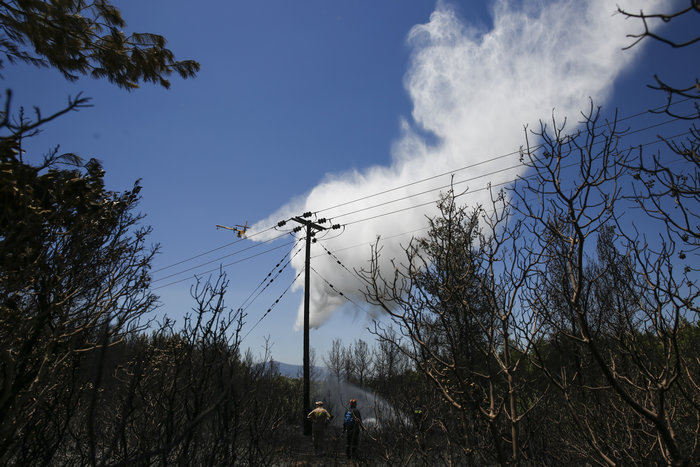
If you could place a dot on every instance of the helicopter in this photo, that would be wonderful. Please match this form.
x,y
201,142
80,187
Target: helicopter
x,y
238,228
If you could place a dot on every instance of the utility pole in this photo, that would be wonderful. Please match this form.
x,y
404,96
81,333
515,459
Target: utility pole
x,y
310,230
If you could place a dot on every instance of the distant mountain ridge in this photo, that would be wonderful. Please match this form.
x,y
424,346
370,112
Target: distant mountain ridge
x,y
297,371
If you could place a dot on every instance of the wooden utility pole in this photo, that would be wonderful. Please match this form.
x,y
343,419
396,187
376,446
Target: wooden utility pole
x,y
310,228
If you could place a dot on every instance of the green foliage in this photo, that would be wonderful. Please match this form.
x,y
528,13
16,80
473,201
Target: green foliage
x,y
86,38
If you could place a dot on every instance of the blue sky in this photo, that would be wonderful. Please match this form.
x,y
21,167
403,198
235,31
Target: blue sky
x,y
305,105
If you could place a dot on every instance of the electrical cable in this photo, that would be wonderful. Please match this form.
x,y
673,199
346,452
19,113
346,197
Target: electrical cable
x,y
338,291
401,234
337,260
462,182
536,147
429,191
491,159
275,227
325,237
385,238
281,223
246,303
256,245
226,265
507,182
273,305
210,251
432,201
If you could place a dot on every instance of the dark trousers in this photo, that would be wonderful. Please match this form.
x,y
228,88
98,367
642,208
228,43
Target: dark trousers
x,y
353,439
318,439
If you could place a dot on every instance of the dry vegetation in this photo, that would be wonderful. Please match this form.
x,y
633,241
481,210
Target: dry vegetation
x,y
546,328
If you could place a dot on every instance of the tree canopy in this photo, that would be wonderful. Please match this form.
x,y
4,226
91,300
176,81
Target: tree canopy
x,y
74,259
86,38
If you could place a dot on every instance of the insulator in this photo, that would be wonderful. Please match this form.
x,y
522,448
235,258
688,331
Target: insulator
x,y
322,220
335,226
281,223
307,214
297,228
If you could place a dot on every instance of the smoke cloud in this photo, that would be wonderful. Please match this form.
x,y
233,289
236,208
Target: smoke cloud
x,y
472,90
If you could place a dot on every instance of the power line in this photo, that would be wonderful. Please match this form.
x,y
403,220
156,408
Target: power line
x,y
246,303
520,164
281,223
275,227
415,206
507,182
338,291
462,182
340,263
210,251
337,260
256,245
402,234
273,305
428,191
227,265
485,161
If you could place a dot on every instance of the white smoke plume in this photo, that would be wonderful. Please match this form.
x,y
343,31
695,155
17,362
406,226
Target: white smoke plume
x,y
473,91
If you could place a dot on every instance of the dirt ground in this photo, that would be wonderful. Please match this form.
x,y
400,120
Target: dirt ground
x,y
302,454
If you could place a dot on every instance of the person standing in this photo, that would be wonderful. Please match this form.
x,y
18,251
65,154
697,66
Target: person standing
x,y
351,426
320,418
